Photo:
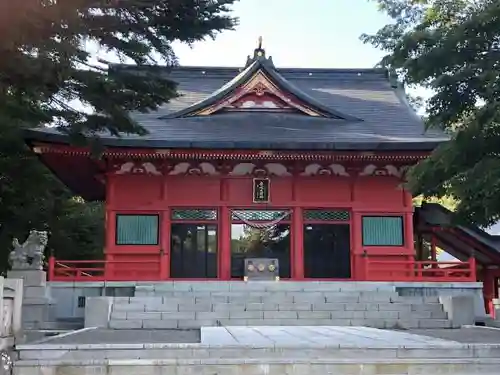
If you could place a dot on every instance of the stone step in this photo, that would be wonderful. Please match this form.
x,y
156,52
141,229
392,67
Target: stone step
x,y
194,306
273,366
198,323
281,297
290,309
261,300
319,286
197,352
287,314
277,294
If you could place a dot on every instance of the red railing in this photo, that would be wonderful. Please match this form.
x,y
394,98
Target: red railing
x,y
103,270
388,270
154,270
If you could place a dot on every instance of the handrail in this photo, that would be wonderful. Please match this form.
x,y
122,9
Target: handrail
x,y
374,270
68,267
91,270
411,270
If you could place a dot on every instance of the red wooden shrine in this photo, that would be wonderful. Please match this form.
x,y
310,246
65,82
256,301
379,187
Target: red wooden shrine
x,y
167,184
320,155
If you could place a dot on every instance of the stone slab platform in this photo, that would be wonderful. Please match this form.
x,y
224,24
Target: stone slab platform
x,y
467,334
260,350
122,336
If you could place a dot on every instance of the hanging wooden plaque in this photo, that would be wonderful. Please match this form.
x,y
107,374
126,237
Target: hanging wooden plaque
x,y
261,190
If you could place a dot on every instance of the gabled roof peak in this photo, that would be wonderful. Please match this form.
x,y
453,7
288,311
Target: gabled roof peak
x,y
259,87
259,55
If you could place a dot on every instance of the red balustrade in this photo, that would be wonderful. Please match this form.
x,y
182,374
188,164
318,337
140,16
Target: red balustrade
x,y
410,270
152,270
103,270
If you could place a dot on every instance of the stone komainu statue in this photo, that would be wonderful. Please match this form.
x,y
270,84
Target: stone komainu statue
x,y
29,255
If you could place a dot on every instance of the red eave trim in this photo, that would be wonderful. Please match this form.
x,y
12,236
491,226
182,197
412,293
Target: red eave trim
x,y
120,153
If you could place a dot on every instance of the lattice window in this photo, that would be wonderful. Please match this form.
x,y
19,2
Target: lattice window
x,y
194,215
137,229
259,215
326,215
383,231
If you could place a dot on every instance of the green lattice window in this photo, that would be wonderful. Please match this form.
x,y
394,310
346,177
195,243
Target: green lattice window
x,y
194,215
326,215
259,215
137,229
383,231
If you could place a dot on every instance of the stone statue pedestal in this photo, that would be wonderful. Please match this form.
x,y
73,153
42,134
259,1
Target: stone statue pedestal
x,y
31,278
38,305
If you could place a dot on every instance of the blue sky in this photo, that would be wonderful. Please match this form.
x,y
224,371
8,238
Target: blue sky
x,y
296,33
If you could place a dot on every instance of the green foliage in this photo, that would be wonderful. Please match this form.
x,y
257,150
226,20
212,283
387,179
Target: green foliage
x,y
31,198
447,202
452,47
254,241
48,76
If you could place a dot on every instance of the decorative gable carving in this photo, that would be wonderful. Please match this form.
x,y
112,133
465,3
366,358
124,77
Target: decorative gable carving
x,y
259,93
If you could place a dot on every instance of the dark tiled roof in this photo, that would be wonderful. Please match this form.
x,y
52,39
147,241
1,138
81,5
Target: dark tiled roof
x,y
266,66
378,116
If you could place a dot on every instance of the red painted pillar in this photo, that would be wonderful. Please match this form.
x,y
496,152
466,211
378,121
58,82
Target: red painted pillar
x,y
165,234
409,234
109,225
224,243
224,240
488,290
109,266
473,268
165,242
359,267
297,250
51,267
433,248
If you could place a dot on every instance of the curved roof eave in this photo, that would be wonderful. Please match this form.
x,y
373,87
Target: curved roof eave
x,y
33,135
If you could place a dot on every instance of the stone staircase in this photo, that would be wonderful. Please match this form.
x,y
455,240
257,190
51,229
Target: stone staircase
x,y
56,327
259,303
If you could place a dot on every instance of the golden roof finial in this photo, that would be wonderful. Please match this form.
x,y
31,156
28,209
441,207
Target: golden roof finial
x,y
259,53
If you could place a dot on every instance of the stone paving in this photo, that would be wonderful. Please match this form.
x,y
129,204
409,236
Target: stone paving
x,y
277,350
469,335
280,335
314,336
131,336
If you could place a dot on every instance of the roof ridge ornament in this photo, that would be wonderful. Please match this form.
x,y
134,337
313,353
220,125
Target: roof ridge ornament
x,y
259,48
259,54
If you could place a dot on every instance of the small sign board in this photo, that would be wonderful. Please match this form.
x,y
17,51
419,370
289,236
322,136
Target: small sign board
x,y
261,190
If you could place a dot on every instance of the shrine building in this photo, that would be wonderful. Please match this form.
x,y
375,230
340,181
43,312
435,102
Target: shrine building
x,y
304,166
